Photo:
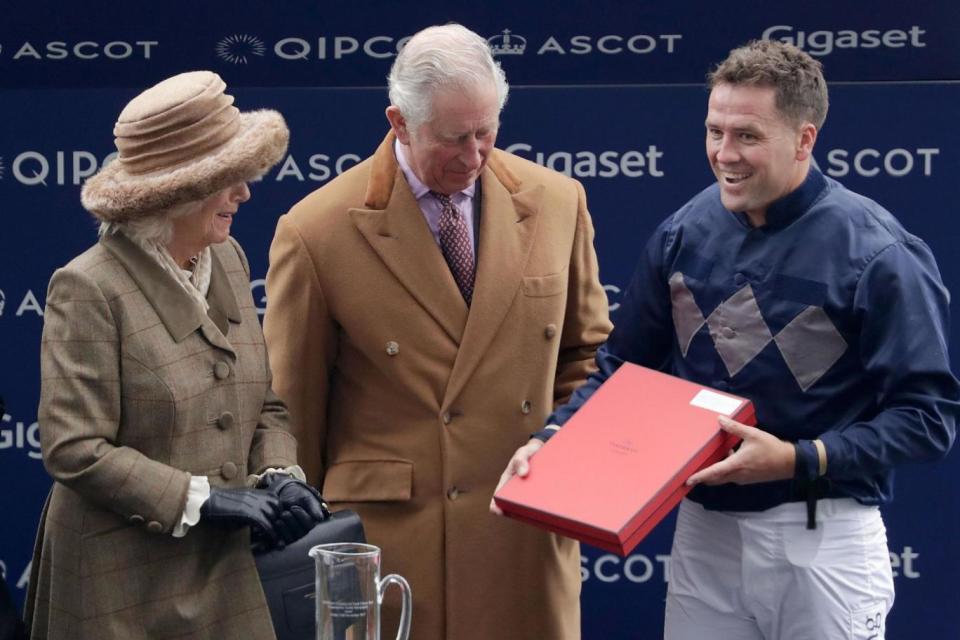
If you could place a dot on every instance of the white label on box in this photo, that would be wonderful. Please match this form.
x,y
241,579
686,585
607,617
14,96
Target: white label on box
x,y
713,401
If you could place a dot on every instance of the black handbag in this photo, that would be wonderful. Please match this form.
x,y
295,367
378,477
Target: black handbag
x,y
288,575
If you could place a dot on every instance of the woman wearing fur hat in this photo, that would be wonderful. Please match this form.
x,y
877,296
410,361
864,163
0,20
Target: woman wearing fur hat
x,y
155,396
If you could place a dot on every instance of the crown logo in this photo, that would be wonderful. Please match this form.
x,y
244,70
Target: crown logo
x,y
507,44
239,48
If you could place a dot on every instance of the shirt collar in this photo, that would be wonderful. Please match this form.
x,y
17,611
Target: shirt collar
x,y
783,212
419,189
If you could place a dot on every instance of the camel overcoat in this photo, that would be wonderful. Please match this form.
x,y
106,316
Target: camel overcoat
x,y
139,390
409,404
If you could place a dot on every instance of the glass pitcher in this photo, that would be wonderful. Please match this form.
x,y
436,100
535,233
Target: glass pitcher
x,y
349,592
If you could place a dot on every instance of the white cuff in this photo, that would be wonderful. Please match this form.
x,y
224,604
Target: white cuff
x,y
197,494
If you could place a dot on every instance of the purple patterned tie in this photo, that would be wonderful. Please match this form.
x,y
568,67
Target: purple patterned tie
x,y
456,246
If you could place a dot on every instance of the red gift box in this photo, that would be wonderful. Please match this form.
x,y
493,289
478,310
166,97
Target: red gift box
x,y
620,464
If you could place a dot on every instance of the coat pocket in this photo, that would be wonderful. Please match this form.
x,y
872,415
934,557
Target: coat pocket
x,y
369,481
543,286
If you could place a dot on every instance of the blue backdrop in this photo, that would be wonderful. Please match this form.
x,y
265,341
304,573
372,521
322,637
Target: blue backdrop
x,y
608,92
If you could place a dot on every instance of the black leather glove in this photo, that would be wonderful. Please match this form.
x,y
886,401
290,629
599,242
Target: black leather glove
x,y
257,508
303,507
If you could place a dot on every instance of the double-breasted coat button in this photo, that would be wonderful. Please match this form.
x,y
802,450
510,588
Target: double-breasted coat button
x,y
525,407
135,519
225,421
221,370
550,331
154,527
446,417
393,348
453,493
228,470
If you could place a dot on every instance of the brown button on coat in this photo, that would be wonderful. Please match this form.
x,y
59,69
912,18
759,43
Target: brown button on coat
x,y
129,407
416,441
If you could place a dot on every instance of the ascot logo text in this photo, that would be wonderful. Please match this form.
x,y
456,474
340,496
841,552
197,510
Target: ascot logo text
x,y
869,162
823,43
637,568
318,167
509,43
24,580
28,304
86,50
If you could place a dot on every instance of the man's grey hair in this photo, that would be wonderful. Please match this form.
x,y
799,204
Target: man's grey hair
x,y
154,229
797,79
441,57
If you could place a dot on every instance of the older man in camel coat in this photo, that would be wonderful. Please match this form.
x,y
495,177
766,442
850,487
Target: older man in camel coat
x,y
426,311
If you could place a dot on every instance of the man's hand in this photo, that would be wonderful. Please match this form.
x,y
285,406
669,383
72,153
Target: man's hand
x,y
761,457
519,465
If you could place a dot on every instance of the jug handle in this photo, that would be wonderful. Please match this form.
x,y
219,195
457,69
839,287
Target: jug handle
x,y
403,632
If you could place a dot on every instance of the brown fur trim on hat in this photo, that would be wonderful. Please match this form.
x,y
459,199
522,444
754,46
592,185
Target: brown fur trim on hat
x,y
113,195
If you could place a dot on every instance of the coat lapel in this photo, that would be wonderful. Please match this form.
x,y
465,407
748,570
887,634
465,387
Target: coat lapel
x,y
394,226
508,225
177,311
223,306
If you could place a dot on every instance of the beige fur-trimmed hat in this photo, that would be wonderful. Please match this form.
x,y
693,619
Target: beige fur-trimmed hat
x,y
182,140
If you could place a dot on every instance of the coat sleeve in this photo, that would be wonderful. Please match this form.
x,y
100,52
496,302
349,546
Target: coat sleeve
x,y
273,445
301,341
80,409
644,331
586,323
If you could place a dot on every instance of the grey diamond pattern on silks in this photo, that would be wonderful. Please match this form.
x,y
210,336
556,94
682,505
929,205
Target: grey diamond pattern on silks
x,y
456,246
687,317
738,330
810,345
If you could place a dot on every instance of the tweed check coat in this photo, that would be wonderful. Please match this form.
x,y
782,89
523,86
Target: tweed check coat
x,y
409,404
140,389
